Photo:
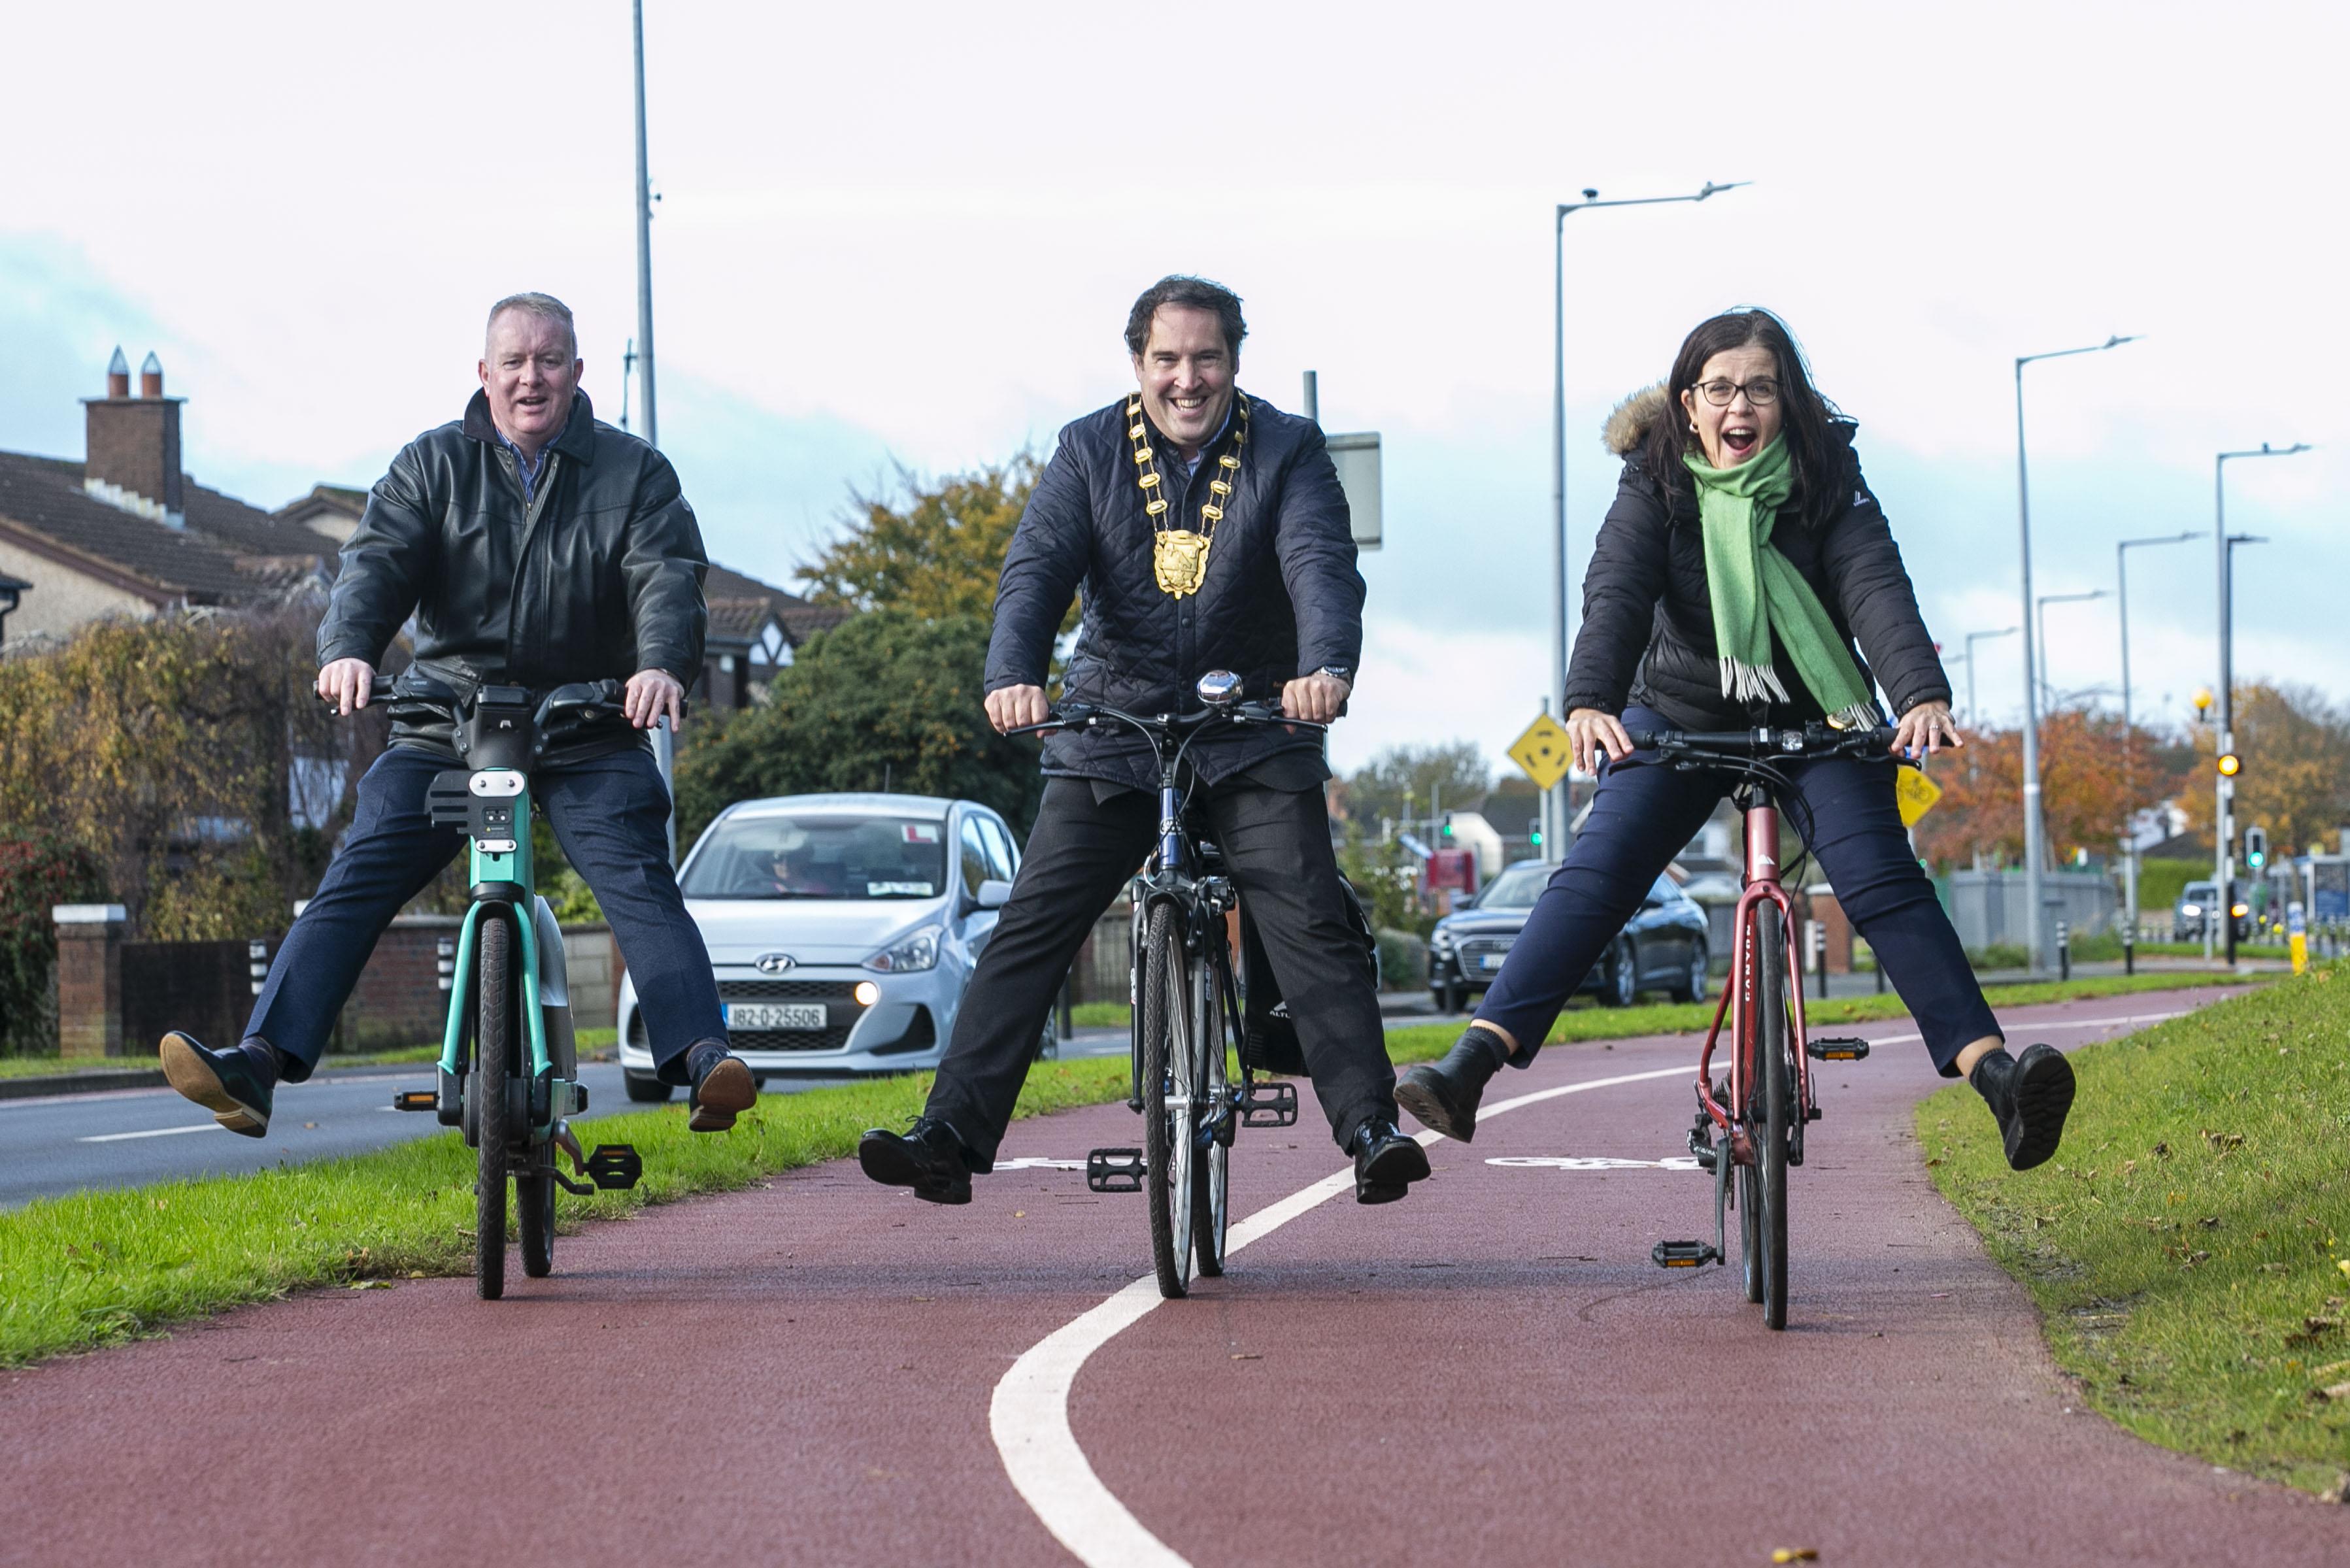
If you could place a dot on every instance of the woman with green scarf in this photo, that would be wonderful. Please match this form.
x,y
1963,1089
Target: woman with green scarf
x,y
1743,558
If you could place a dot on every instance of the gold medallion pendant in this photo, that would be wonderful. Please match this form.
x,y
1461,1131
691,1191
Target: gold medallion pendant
x,y
1178,558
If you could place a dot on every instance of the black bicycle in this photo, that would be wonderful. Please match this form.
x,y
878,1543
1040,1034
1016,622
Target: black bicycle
x,y
1186,1001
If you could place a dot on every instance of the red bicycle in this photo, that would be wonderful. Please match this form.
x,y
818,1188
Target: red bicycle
x,y
1752,1121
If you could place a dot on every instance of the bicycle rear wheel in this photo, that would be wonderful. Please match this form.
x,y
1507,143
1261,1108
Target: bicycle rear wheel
x,y
535,1207
493,1068
1212,1168
1167,1119
1776,1087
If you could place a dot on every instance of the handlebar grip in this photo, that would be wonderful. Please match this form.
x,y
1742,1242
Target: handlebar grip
x,y
379,691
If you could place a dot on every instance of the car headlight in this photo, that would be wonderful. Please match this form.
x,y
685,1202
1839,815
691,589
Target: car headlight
x,y
920,949
1439,940
2190,909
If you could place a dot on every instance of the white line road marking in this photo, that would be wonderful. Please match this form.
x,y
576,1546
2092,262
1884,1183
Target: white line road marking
x,y
1029,1416
2049,1027
1592,1162
151,1132
1033,1163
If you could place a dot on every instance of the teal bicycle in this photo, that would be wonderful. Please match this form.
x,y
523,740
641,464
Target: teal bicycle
x,y
509,1072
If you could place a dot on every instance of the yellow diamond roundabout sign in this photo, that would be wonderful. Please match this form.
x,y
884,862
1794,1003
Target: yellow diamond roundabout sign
x,y
1543,751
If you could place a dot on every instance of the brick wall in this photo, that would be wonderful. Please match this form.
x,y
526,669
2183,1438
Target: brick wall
x,y
398,999
204,988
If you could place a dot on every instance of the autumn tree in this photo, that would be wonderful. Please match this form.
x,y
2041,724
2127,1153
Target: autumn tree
x,y
2085,791
1454,771
935,548
2297,780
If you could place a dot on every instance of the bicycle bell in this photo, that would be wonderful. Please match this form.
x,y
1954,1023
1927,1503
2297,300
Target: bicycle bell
x,y
1220,688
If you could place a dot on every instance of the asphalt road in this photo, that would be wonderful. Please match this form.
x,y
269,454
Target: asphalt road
x,y
129,1138
820,1370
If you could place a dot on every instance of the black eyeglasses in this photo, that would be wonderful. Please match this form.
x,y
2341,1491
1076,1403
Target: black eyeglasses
x,y
1763,391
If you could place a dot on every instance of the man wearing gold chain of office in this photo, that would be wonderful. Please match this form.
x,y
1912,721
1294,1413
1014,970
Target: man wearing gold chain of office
x,y
1208,532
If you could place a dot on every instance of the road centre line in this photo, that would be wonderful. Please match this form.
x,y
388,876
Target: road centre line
x,y
151,1132
1029,1414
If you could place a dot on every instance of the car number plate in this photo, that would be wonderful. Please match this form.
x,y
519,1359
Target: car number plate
x,y
1489,960
775,1015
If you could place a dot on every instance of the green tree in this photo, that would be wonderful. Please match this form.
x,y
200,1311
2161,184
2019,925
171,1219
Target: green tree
x,y
1454,773
937,548
890,699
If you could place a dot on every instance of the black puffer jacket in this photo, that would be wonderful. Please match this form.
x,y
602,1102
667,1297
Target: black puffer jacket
x,y
1648,623
1281,595
599,578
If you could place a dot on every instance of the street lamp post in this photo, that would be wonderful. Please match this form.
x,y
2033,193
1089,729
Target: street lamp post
x,y
2048,686
1555,805
1974,717
2034,829
2224,823
2129,778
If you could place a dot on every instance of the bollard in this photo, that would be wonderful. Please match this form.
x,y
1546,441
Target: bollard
x,y
447,962
2064,950
1816,939
2129,949
256,965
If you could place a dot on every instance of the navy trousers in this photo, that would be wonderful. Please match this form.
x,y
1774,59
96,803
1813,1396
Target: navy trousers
x,y
1645,811
610,815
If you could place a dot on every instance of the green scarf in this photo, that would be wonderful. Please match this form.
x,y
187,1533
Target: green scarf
x,y
1756,591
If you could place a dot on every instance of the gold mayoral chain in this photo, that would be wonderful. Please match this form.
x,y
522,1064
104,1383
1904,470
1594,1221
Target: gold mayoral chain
x,y
1178,558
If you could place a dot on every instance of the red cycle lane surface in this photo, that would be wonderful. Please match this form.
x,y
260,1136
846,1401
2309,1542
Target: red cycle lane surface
x,y
1491,1372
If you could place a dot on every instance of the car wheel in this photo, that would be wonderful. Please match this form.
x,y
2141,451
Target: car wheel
x,y
1048,1048
646,1090
1623,976
1692,986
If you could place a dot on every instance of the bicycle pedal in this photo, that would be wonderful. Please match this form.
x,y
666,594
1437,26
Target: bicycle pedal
x,y
615,1167
1837,1050
1270,1105
1684,1254
416,1100
1114,1169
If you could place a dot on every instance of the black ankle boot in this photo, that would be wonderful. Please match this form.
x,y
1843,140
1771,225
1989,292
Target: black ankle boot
x,y
1444,1095
2030,1096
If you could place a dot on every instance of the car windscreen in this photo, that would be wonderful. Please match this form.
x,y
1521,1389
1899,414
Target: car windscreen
x,y
820,857
1516,887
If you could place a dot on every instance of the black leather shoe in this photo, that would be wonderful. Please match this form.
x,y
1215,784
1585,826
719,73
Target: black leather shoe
x,y
723,1085
232,1085
2030,1096
927,1157
1444,1095
1386,1162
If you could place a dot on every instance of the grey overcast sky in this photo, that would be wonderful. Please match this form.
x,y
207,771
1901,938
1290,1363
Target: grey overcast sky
x,y
909,233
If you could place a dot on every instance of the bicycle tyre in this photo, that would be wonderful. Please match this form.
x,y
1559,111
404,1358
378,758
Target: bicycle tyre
x,y
534,1207
1777,1089
493,1055
1212,1170
1166,1104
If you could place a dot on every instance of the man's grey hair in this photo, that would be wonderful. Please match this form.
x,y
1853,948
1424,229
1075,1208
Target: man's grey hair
x,y
546,306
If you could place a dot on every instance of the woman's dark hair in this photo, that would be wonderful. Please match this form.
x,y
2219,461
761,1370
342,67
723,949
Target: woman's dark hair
x,y
1807,419
1199,295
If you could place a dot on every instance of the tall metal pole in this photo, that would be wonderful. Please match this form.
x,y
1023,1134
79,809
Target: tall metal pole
x,y
2048,686
2224,823
1555,803
2035,829
1974,714
664,743
2129,775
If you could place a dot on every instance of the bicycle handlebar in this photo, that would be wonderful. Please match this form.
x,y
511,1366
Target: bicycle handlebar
x,y
1085,716
1738,745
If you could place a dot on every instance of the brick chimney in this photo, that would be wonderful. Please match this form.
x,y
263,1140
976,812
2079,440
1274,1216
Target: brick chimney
x,y
134,455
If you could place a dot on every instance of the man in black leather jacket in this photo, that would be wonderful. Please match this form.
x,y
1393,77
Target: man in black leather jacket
x,y
1260,580
534,547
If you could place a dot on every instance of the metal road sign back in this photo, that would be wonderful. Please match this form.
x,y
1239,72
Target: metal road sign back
x,y
1916,794
1543,751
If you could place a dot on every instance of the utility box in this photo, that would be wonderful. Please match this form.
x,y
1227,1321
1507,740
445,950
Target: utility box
x,y
1455,869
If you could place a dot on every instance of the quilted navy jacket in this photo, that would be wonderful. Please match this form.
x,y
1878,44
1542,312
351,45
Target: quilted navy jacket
x,y
1281,595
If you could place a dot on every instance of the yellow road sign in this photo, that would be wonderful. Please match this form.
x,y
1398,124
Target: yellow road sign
x,y
1917,794
1543,751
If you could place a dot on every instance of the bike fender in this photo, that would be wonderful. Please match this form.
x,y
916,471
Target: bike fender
x,y
554,986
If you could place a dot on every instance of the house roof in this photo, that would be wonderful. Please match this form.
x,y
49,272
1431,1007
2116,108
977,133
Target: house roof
x,y
801,618
44,506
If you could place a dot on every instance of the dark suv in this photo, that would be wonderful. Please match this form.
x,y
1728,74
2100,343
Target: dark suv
x,y
1661,948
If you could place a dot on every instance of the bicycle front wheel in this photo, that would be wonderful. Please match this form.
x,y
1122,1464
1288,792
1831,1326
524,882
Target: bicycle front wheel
x,y
1212,1168
1776,1087
535,1207
1167,1101
493,1044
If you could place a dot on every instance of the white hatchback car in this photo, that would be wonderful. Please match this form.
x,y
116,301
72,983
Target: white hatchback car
x,y
842,930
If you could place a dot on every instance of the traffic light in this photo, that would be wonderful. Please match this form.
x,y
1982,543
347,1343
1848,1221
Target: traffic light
x,y
1447,830
2256,848
2231,764
1534,830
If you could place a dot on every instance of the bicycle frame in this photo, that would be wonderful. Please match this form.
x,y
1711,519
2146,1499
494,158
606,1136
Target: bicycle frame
x,y
1739,1002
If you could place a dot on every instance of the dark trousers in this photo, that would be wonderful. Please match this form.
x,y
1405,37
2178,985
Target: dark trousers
x,y
1276,846
609,815
1645,811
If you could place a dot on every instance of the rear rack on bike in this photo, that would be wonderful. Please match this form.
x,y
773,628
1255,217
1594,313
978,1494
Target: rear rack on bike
x,y
1114,1171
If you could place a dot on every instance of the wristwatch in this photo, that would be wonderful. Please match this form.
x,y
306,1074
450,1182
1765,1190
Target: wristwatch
x,y
1338,672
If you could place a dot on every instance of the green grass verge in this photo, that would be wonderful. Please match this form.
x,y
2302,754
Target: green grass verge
x,y
98,1267
2189,1247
